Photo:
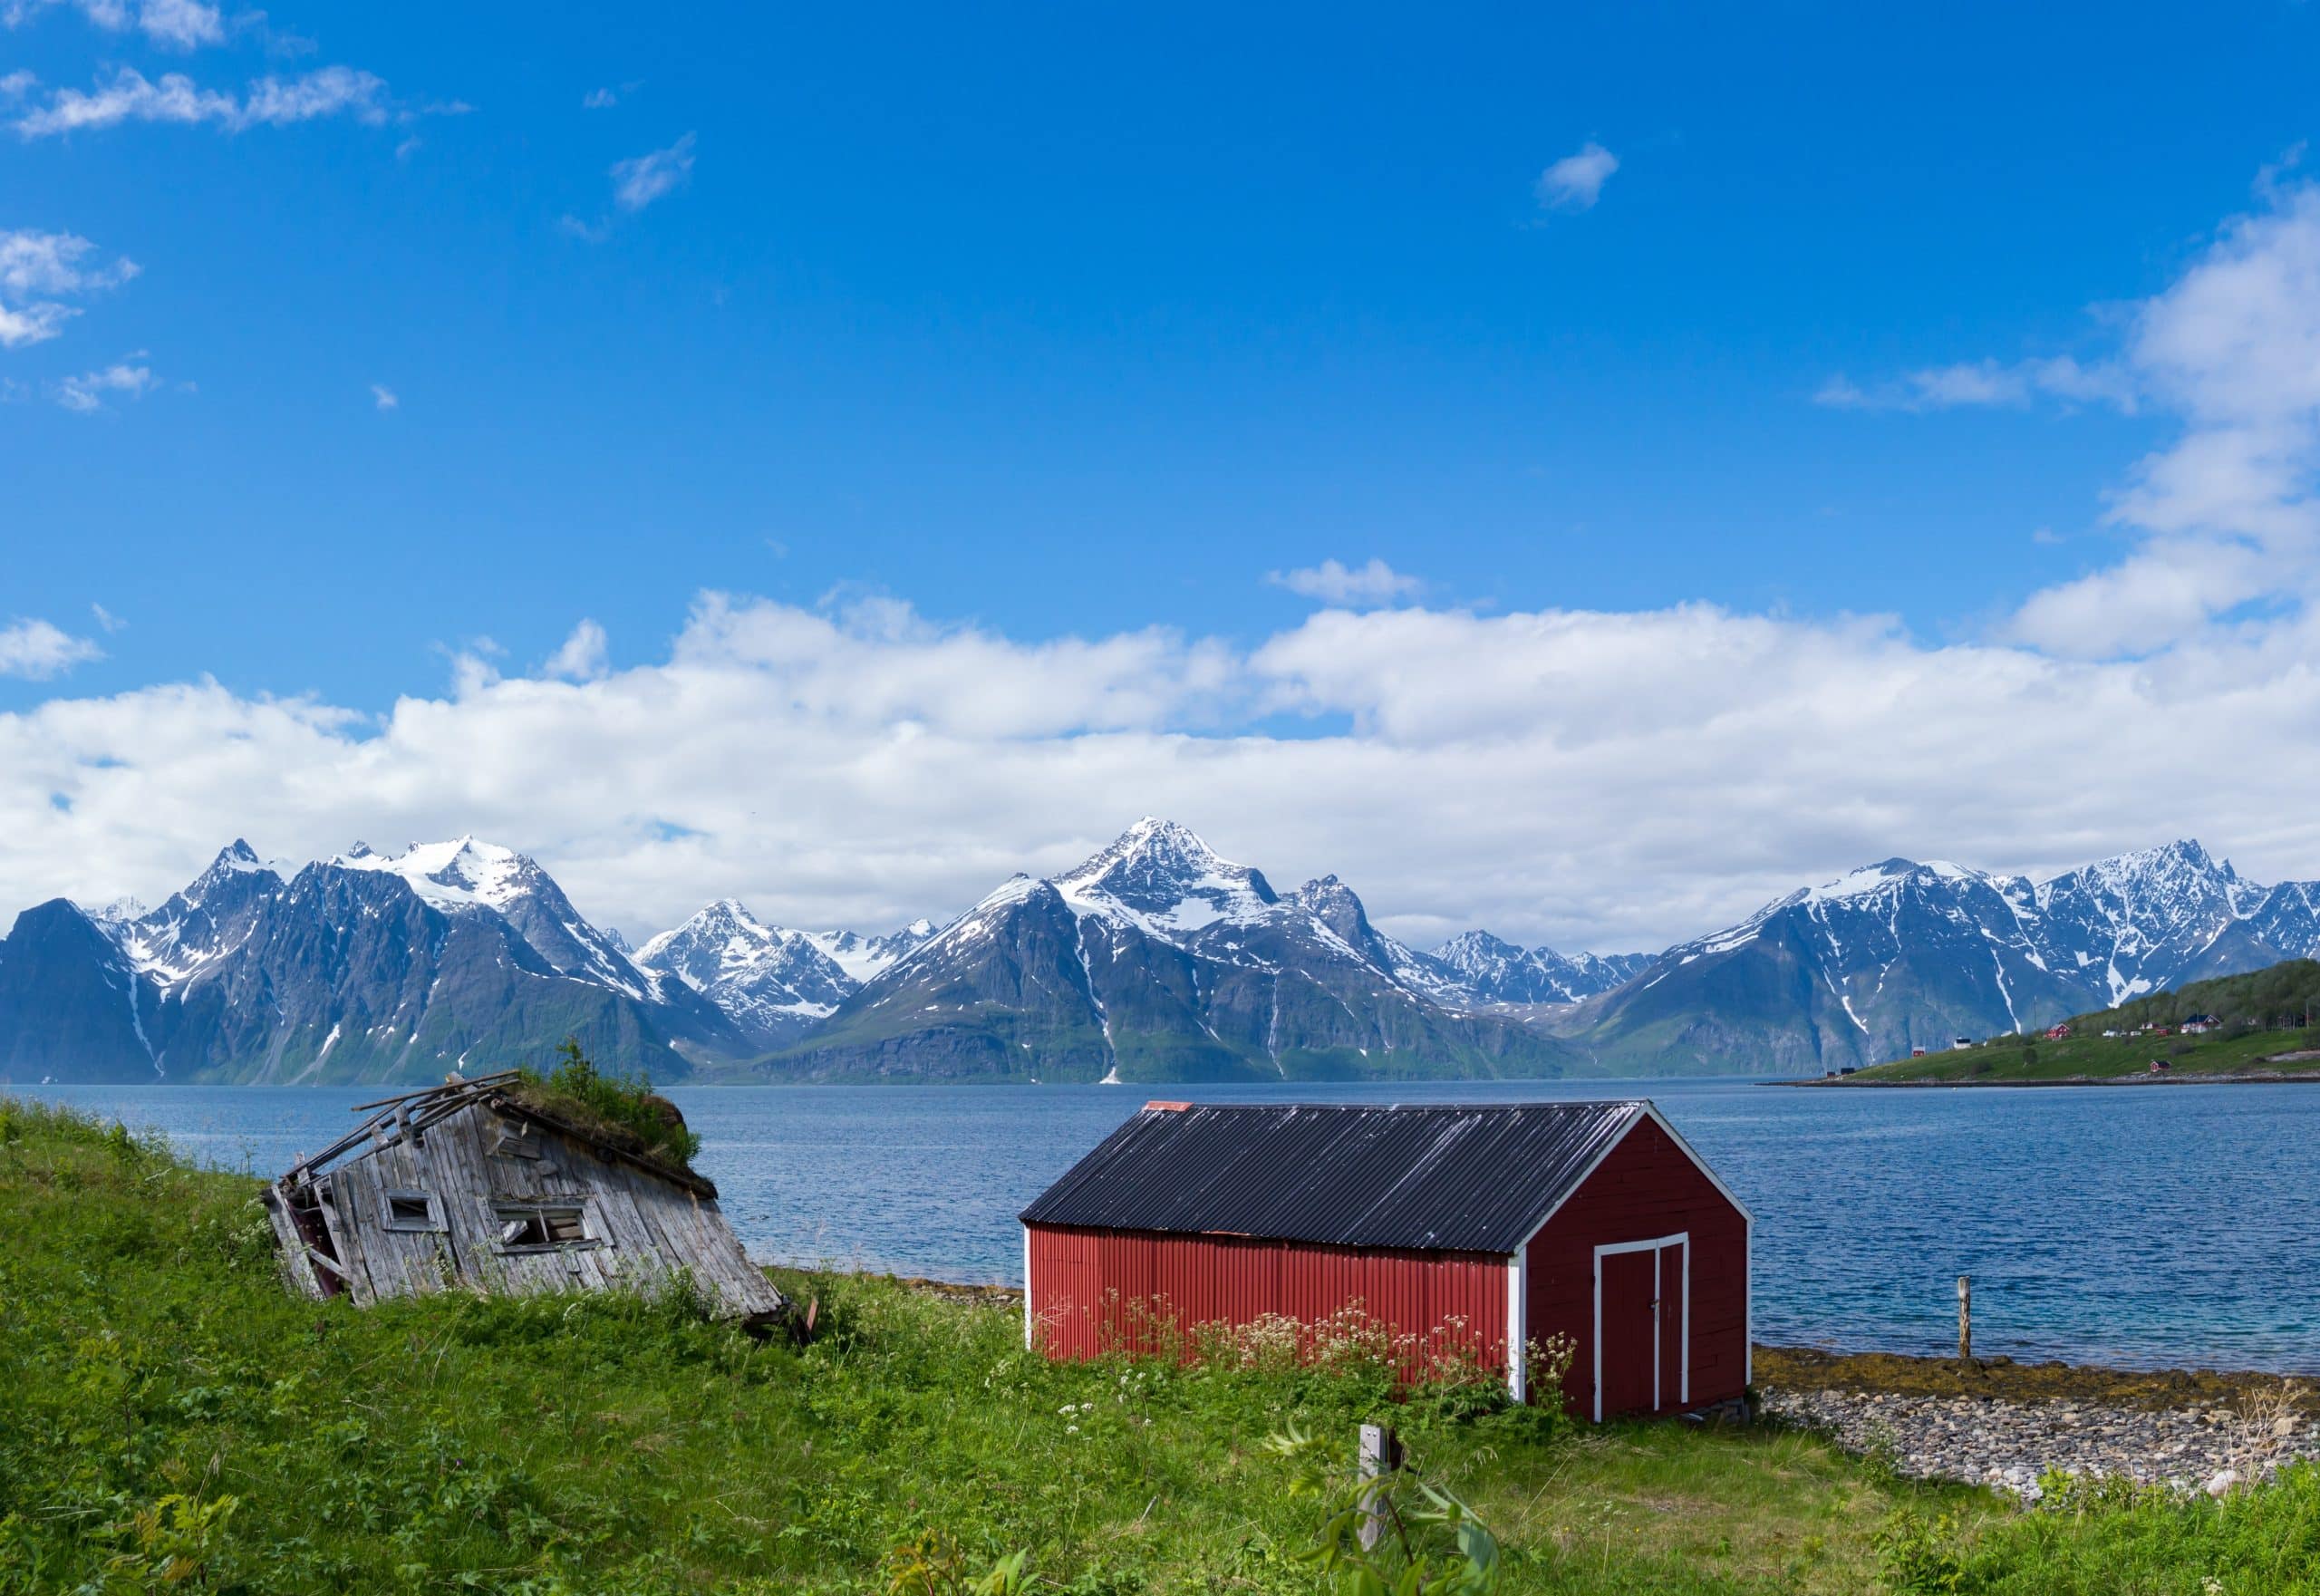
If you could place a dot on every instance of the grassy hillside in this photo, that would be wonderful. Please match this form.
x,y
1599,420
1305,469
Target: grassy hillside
x,y
176,1421
2263,1014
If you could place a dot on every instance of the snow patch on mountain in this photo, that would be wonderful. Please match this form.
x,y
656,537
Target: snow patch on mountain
x,y
772,981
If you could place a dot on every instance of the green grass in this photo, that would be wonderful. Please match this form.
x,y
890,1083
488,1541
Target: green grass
x,y
2095,1058
175,1420
2261,1012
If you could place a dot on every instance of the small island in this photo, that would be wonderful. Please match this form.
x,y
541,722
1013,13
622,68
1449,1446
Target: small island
x,y
2256,1027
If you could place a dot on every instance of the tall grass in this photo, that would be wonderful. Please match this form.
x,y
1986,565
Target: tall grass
x,y
173,1419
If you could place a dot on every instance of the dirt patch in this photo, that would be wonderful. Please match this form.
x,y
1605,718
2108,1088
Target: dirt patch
x,y
1805,1369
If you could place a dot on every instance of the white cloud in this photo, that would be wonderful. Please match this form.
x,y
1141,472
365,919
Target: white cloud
x,y
582,657
638,182
572,226
1606,780
383,397
106,619
270,101
1334,581
38,648
34,267
599,100
32,323
1988,383
1576,181
179,24
86,392
182,22
2224,514
16,84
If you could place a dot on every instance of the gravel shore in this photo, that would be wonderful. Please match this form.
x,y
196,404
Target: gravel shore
x,y
2219,1433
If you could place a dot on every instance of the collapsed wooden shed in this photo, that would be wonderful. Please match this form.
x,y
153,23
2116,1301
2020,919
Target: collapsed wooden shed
x,y
470,1184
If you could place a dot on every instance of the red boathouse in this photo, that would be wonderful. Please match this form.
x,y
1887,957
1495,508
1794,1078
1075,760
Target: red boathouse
x,y
1492,1224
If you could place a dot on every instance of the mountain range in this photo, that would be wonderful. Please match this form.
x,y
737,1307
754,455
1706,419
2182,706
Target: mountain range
x,y
1154,960
1905,954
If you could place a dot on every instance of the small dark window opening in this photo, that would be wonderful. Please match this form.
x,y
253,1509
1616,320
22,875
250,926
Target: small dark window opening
x,y
522,1228
412,1211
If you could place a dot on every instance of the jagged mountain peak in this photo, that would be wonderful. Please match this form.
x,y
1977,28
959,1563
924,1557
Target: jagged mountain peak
x,y
236,860
1162,872
460,874
767,980
1886,874
1494,970
2176,866
1477,943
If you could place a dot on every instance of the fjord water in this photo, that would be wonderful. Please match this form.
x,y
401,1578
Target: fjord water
x,y
2149,1226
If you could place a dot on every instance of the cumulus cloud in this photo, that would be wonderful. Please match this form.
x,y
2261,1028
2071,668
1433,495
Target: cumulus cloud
x,y
1334,581
86,393
1576,181
179,24
40,270
1988,383
1591,780
639,181
383,397
270,101
2223,514
582,657
39,649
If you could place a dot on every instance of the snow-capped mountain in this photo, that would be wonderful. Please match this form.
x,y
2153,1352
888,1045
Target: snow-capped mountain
x,y
771,982
1497,971
864,957
1158,960
465,874
1154,960
1903,953
359,968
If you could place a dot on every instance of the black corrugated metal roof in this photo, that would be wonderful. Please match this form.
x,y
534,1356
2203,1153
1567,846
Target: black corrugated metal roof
x,y
1465,1177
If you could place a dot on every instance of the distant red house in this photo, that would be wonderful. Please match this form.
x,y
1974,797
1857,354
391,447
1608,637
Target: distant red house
x,y
2056,1033
1485,1226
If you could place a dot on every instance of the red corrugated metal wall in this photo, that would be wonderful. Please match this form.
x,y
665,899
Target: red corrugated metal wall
x,y
1647,1188
1097,1290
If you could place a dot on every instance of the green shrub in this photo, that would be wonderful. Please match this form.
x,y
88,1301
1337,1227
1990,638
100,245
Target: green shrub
x,y
624,1108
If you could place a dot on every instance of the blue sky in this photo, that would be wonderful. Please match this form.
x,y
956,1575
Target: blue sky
x,y
1070,325
1054,325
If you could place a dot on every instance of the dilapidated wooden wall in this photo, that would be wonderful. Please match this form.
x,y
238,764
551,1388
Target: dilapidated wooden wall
x,y
642,1227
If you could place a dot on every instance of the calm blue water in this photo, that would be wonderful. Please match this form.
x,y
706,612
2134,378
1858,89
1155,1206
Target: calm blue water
x,y
2139,1225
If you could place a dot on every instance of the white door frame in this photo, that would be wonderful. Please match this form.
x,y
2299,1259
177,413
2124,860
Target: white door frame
x,y
1684,1360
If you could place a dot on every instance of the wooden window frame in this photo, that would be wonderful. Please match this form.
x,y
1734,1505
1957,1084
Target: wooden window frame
x,y
432,1222
502,1213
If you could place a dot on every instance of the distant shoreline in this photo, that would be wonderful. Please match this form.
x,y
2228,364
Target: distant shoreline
x,y
2219,1077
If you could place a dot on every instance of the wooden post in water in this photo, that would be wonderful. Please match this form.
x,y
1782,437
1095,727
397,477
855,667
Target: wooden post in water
x,y
1965,1318
1381,1454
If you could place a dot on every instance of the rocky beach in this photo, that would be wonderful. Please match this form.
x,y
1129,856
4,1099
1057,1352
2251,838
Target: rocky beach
x,y
2006,1426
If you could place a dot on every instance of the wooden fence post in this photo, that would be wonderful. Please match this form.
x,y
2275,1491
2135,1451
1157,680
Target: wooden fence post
x,y
1965,1318
1381,1453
